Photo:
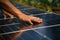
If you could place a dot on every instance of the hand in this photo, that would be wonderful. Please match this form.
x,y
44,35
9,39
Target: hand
x,y
5,14
30,19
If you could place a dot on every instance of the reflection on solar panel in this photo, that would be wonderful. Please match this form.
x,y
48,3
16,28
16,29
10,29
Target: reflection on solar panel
x,y
18,30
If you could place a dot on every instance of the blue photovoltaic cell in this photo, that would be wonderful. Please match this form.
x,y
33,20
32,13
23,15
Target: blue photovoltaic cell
x,y
28,9
32,35
50,33
45,31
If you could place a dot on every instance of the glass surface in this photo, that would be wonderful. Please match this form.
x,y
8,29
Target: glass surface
x,y
49,29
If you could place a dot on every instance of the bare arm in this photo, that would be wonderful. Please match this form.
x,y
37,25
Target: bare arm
x,y
7,6
10,8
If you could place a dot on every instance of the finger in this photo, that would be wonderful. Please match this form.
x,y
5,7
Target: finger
x,y
4,17
8,14
30,22
37,20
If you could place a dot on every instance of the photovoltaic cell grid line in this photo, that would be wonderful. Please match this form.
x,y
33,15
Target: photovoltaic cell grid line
x,y
18,23
44,25
46,22
44,36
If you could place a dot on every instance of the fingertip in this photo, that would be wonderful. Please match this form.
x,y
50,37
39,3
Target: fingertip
x,y
41,20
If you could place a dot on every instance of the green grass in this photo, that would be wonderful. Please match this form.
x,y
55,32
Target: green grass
x,y
43,4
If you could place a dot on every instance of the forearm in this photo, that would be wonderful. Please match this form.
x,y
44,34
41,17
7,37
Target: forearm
x,y
10,8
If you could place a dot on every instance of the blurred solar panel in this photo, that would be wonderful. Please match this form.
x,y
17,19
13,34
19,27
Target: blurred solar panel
x,y
28,9
49,29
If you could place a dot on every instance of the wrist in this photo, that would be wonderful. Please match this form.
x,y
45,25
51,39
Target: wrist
x,y
20,14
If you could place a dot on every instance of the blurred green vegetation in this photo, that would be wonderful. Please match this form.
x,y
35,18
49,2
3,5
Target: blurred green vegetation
x,y
42,4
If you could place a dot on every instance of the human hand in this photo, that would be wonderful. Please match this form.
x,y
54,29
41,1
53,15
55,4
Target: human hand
x,y
5,14
30,19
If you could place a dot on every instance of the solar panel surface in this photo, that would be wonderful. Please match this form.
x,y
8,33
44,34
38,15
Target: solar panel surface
x,y
48,30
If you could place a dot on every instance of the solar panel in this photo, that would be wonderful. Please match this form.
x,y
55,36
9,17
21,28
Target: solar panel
x,y
49,29
28,9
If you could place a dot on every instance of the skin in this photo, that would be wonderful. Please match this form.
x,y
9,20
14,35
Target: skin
x,y
5,14
9,9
